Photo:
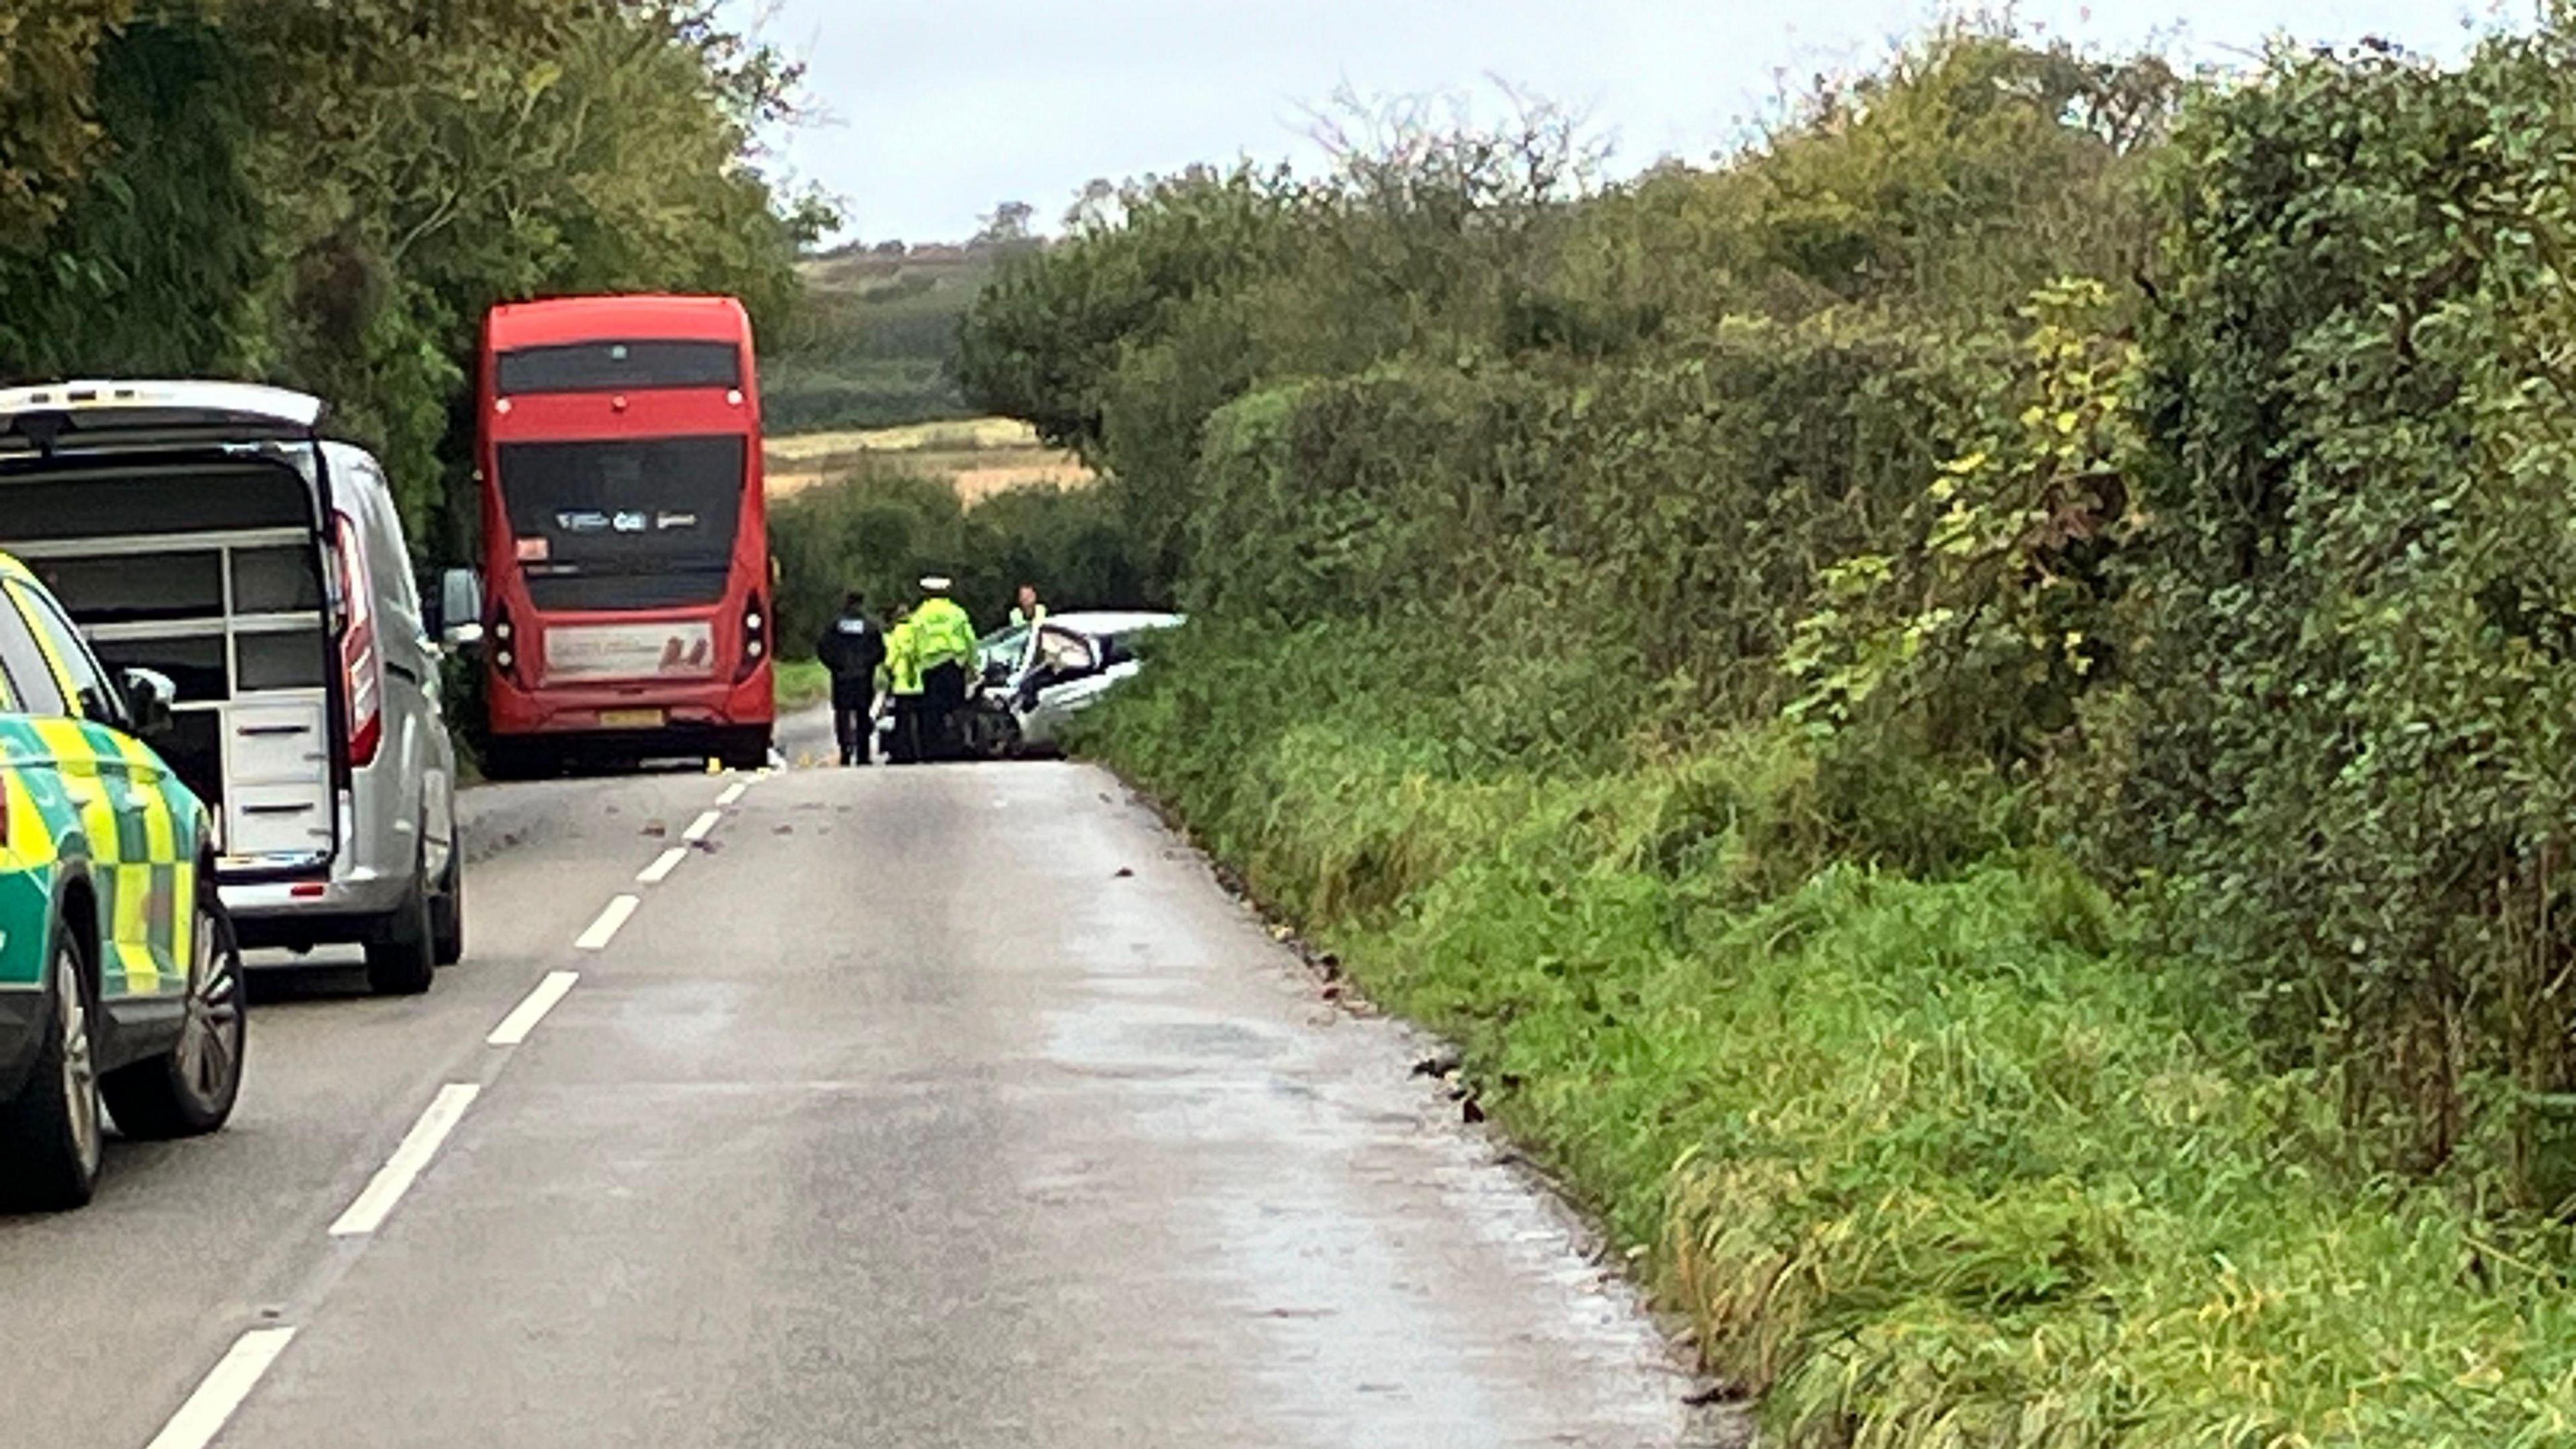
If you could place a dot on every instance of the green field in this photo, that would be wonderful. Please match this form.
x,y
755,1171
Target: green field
x,y
876,343
979,457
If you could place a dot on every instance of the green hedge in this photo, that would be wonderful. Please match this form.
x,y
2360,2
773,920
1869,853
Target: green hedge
x,y
881,529
1968,713
2358,722
1936,1150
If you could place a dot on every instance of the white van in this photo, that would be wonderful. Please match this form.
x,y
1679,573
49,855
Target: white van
x,y
208,532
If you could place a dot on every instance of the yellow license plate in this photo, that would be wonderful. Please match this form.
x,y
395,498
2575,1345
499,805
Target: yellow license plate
x,y
630,719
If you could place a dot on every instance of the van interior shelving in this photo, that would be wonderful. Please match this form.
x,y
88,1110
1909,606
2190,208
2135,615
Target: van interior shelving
x,y
220,586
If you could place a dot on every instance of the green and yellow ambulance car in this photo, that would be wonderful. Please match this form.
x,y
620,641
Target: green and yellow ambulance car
x,y
120,988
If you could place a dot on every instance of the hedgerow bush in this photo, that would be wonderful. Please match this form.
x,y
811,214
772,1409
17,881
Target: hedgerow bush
x,y
1966,715
880,529
2357,610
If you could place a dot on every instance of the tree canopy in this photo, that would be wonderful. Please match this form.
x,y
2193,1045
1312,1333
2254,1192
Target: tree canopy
x,y
329,193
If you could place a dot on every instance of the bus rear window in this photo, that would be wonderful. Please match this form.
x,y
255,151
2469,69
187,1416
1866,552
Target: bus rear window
x,y
617,367
648,523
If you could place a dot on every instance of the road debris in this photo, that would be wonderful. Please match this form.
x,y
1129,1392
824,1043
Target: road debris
x,y
1441,1063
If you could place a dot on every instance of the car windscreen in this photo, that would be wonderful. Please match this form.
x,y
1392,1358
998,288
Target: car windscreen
x,y
645,523
616,367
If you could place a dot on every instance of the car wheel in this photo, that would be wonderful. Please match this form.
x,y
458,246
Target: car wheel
x,y
403,959
447,911
190,1090
53,1134
992,733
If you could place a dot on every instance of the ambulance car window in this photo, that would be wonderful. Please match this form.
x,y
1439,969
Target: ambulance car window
x,y
31,685
100,702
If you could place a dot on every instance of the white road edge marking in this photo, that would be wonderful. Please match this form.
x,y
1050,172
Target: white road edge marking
x,y
515,1027
661,868
223,1390
604,930
733,793
410,1159
702,827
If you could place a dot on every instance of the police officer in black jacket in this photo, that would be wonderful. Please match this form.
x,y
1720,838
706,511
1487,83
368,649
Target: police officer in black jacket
x,y
852,649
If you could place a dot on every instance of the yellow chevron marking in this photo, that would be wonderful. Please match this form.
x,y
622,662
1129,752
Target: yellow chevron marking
x,y
150,781
64,740
31,836
133,928
142,975
183,917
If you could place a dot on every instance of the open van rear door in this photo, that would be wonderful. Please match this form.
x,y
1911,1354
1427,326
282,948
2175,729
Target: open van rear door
x,y
186,525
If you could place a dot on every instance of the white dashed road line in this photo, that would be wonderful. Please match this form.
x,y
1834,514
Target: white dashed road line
x,y
229,1384
410,1159
224,1388
515,1027
604,930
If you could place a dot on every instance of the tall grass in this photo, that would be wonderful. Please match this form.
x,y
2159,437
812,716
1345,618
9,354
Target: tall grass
x,y
1930,1144
801,684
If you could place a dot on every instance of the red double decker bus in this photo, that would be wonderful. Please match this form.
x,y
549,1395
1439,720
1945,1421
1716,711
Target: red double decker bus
x,y
626,548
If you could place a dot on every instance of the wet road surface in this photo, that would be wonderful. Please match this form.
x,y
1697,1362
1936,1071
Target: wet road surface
x,y
929,1107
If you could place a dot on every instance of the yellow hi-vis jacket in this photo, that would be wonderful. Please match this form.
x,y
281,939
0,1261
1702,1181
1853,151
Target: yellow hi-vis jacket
x,y
942,634
901,672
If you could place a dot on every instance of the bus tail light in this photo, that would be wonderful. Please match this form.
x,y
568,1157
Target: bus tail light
x,y
505,646
755,639
361,665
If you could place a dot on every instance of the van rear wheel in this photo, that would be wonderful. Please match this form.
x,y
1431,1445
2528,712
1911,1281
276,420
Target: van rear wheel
x,y
403,958
447,912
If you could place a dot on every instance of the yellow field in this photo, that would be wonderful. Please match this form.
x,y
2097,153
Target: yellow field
x,y
980,456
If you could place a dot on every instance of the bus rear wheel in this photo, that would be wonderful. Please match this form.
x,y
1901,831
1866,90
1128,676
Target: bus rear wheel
x,y
512,760
745,750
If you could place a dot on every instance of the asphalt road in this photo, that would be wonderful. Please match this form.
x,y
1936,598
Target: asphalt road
x,y
950,1106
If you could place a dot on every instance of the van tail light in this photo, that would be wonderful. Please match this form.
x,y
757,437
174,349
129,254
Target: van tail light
x,y
362,669
755,639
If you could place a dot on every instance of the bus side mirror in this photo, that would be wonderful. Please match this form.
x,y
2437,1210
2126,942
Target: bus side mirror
x,y
460,609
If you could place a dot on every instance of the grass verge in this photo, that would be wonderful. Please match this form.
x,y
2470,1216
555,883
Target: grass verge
x,y
801,684
1947,1157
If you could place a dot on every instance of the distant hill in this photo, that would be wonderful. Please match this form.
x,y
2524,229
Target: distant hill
x,y
877,345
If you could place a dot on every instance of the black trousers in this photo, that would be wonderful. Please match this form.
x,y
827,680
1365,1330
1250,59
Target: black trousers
x,y
943,694
903,746
856,727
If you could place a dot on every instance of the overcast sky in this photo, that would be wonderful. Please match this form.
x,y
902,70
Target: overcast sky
x,y
933,112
